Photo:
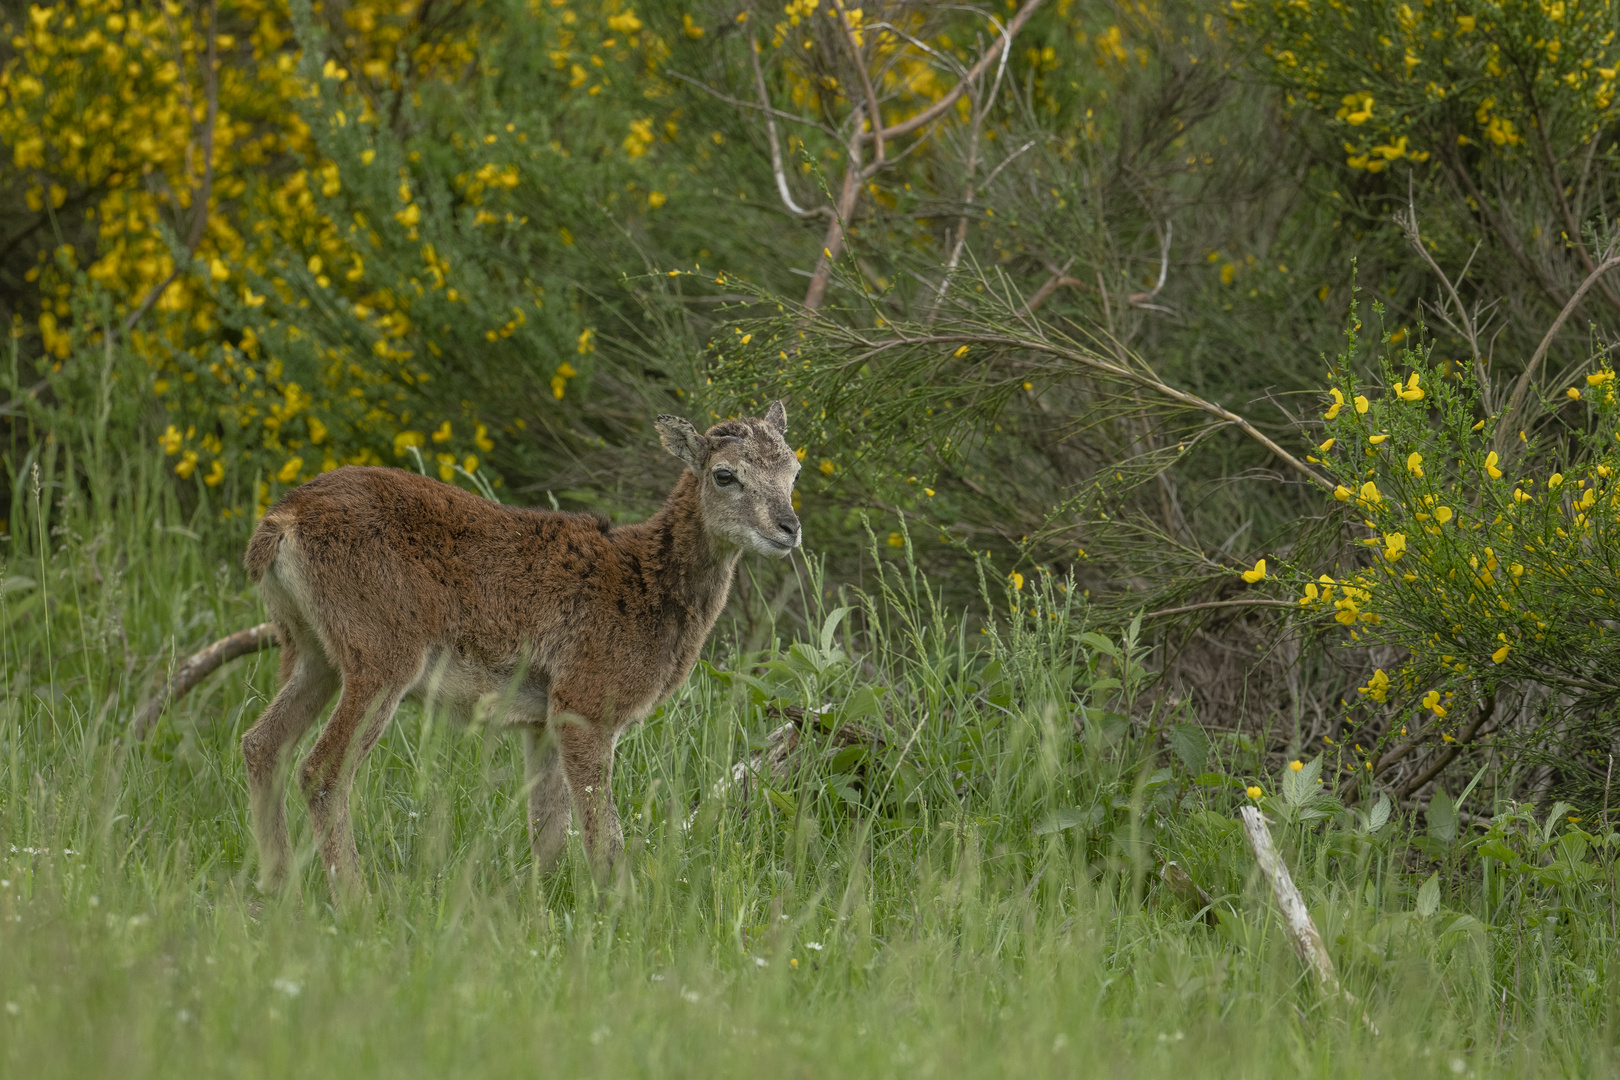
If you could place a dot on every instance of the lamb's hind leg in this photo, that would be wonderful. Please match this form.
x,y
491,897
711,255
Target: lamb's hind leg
x,y
308,683
587,757
548,796
363,712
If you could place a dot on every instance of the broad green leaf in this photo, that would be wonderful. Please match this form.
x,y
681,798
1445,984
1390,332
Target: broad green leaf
x,y
1100,643
847,758
1555,817
1301,787
1059,820
1442,817
1496,848
1428,898
864,704
1191,745
1379,817
781,801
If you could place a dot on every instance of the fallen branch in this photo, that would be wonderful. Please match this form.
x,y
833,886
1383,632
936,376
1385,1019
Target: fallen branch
x,y
1296,918
197,667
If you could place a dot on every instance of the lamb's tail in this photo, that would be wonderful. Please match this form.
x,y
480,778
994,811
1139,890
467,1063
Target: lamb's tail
x,y
261,550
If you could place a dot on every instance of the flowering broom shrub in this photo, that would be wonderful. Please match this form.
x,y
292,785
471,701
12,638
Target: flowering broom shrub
x,y
381,260
1411,79
1489,557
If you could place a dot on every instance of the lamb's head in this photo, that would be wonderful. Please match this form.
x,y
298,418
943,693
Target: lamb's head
x,y
745,472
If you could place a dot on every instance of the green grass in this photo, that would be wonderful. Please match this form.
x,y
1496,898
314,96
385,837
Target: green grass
x,y
975,896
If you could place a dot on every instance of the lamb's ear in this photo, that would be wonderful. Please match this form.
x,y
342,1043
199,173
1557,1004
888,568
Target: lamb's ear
x,y
683,440
776,416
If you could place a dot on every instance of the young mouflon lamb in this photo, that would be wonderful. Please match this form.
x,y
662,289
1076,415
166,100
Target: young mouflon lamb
x,y
383,584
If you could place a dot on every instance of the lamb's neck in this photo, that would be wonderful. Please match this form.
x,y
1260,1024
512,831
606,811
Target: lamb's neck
x,y
696,567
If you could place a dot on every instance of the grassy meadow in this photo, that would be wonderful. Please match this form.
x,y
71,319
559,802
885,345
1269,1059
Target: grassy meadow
x,y
972,890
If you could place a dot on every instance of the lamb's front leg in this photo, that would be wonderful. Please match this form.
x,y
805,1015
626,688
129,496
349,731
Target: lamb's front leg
x,y
587,761
548,796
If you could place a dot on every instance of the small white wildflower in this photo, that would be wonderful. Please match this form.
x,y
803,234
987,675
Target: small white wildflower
x,y
816,945
691,996
760,961
13,1008
288,987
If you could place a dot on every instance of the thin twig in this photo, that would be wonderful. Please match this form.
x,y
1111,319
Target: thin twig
x,y
1487,709
906,127
1557,185
739,103
1469,329
1254,602
1117,371
197,667
1060,279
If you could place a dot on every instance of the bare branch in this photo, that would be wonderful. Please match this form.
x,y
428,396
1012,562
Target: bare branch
x,y
833,244
1140,300
1106,368
1296,917
1556,183
1487,709
922,46
776,147
1469,329
1522,387
875,114
1059,280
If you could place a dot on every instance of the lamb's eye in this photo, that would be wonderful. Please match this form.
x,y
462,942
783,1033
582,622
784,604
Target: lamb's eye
x,y
724,478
